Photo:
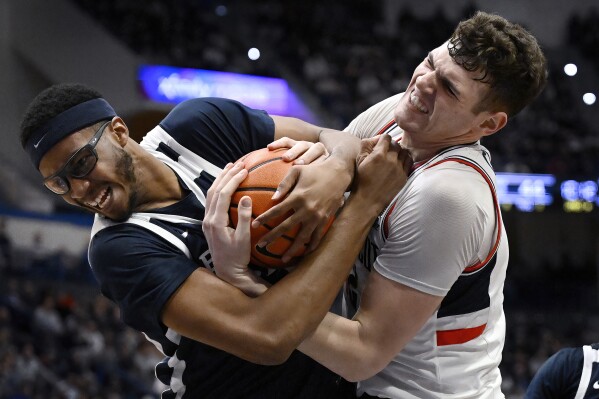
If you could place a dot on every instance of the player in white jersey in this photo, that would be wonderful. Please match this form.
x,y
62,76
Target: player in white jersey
x,y
468,328
430,322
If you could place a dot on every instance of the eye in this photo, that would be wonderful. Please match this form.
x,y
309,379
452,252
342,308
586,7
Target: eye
x,y
83,164
449,90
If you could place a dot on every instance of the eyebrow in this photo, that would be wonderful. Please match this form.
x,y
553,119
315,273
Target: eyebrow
x,y
443,78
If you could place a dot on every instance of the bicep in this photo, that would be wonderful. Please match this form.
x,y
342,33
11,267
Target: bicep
x,y
209,310
295,129
391,314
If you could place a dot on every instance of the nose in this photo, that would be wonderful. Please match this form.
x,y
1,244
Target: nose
x,y
78,187
425,82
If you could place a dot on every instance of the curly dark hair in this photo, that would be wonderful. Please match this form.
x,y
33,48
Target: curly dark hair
x,y
51,102
508,57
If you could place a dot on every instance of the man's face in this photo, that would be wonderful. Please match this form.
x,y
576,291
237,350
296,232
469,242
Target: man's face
x,y
436,110
110,188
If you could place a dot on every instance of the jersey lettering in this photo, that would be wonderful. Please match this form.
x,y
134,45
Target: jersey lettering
x,y
206,259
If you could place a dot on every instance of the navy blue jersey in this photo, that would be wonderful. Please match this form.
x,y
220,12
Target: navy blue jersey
x,y
141,262
571,373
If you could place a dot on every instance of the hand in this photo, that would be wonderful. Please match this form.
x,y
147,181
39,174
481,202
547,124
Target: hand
x,y
230,248
383,168
300,152
313,193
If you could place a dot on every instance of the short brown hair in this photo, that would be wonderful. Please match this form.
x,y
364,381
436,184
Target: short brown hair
x,y
508,57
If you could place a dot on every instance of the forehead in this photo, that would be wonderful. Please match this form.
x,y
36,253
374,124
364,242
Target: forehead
x,y
465,80
55,158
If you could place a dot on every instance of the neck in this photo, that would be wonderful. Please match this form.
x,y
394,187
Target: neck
x,y
157,183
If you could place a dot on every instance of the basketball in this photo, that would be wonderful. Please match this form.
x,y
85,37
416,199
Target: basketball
x,y
266,169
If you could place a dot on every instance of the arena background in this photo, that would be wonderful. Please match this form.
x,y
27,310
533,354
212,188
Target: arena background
x,y
60,339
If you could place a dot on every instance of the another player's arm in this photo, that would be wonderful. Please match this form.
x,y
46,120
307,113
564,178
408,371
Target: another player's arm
x,y
266,329
315,191
390,315
391,312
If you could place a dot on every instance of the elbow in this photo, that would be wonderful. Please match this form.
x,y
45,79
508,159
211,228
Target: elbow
x,y
362,369
273,349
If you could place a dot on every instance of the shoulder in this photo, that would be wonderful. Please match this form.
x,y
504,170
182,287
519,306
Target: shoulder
x,y
559,375
371,121
138,270
121,245
564,366
213,126
218,111
452,185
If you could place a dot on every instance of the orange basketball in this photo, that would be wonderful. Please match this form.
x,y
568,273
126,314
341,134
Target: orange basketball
x,y
266,169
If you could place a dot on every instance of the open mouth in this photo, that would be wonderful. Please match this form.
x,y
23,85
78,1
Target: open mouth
x,y
416,102
101,199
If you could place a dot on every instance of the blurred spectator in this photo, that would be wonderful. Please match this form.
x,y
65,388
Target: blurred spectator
x,y
6,255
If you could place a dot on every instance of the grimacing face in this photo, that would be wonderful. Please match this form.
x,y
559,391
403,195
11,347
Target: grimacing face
x,y
436,110
110,189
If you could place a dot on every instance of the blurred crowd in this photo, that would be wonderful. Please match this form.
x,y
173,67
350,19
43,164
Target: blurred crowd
x,y
349,55
60,339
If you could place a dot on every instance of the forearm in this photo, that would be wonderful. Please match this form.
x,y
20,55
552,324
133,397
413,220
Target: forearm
x,y
315,282
342,346
342,146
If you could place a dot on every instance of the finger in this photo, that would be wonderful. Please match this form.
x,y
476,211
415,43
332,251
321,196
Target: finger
x,y
223,180
274,212
226,177
223,198
283,142
244,216
216,184
300,241
313,153
296,150
287,183
317,236
278,230
406,159
383,143
366,148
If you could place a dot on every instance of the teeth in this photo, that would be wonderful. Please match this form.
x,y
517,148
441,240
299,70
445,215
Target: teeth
x,y
96,202
415,101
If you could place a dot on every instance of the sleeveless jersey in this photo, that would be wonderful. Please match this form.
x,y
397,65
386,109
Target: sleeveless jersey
x,y
443,235
571,373
141,262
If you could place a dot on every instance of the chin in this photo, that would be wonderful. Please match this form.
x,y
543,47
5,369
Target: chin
x,y
119,217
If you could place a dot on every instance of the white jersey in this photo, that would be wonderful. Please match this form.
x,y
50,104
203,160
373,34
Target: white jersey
x,y
442,235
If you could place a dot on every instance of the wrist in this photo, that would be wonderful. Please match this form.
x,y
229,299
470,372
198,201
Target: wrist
x,y
364,206
344,168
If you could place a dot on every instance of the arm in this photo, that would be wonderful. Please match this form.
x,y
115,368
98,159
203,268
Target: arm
x,y
267,328
315,191
390,315
427,248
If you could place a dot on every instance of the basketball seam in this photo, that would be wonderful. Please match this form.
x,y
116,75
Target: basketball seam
x,y
264,163
255,189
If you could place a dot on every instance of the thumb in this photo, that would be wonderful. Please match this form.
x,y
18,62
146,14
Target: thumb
x,y
244,212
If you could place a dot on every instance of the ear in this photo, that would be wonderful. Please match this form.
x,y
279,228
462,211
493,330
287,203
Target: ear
x,y
492,123
120,130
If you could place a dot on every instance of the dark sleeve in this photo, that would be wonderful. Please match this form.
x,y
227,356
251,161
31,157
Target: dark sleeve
x,y
558,377
218,129
139,271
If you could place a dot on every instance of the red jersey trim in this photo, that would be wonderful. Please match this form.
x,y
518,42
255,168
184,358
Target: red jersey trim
x,y
460,336
386,127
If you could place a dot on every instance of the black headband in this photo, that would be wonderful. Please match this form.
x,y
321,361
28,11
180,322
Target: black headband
x,y
64,124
